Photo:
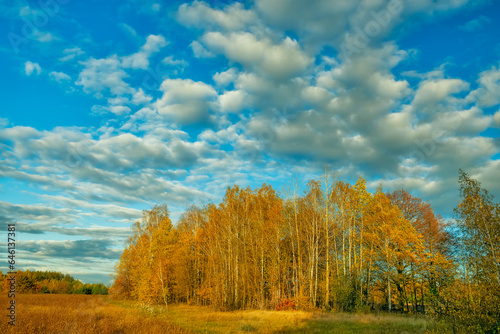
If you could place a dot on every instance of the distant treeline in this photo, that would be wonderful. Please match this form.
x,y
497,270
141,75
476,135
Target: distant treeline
x,y
51,282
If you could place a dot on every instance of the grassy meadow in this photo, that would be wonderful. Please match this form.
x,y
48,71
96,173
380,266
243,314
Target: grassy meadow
x,y
38,313
53,313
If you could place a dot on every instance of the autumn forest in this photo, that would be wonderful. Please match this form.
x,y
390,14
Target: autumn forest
x,y
334,246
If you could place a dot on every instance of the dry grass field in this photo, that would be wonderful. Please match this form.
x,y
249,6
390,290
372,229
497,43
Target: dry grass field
x,y
99,314
205,320
82,314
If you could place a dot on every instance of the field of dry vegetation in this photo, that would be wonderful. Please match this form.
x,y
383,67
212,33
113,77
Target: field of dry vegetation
x,y
99,314
42,313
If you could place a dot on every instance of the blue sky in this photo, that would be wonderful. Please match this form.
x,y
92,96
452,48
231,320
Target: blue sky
x,y
110,107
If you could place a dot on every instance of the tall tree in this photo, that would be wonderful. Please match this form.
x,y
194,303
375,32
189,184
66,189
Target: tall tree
x,y
434,268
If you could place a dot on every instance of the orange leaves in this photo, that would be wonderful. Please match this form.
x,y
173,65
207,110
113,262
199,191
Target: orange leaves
x,y
286,305
331,247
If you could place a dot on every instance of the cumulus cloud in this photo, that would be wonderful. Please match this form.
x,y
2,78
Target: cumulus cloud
x,y
200,51
140,60
140,97
496,119
122,168
315,22
104,75
337,116
199,14
117,110
432,92
122,151
107,77
59,76
232,101
487,174
279,61
225,78
32,14
32,68
324,22
175,62
488,93
186,101
358,113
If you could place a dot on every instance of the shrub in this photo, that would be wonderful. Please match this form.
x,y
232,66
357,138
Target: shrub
x,y
285,305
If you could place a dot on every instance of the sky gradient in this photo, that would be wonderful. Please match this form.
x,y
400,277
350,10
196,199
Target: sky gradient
x,y
110,107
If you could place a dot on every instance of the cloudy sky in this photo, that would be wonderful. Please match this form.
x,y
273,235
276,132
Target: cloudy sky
x,y
109,107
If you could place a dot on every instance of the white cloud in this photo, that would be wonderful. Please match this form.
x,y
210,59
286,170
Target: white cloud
x,y
175,62
99,110
232,101
496,119
119,110
140,60
225,78
432,92
104,75
32,68
186,101
316,95
282,61
462,122
359,114
199,14
320,20
140,97
59,76
200,51
44,37
254,84
71,53
488,93
121,168
326,22
34,19
487,174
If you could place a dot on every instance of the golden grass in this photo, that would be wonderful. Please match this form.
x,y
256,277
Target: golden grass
x,y
99,314
80,314
206,320
366,323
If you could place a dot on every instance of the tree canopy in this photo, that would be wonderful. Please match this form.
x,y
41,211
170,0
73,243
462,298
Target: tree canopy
x,y
334,247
